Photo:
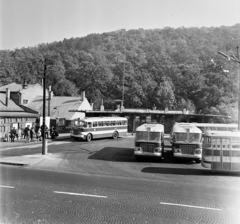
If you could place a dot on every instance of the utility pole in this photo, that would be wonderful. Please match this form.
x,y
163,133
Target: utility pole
x,y
44,148
237,60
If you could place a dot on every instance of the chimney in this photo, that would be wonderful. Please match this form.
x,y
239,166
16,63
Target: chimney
x,y
83,95
24,85
102,107
7,96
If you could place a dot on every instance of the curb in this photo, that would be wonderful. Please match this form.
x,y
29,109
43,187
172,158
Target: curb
x,y
14,164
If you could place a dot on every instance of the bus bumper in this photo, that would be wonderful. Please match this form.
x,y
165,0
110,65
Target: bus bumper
x,y
78,136
156,153
187,156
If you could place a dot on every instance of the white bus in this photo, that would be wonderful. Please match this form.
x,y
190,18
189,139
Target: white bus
x,y
90,128
216,127
221,150
186,140
149,140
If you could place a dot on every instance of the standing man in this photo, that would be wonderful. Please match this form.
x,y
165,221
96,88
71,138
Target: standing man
x,y
27,133
13,134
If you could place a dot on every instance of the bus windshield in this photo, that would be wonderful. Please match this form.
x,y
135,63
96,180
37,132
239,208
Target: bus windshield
x,y
181,136
148,136
190,137
194,137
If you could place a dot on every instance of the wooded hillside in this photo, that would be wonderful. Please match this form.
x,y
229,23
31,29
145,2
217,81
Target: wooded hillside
x,y
169,68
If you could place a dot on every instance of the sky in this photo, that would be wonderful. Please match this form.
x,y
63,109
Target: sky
x,y
27,23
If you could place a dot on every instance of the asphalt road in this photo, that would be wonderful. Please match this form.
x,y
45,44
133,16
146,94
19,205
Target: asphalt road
x,y
101,182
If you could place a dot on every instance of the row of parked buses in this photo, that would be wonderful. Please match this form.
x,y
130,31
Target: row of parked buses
x,y
216,146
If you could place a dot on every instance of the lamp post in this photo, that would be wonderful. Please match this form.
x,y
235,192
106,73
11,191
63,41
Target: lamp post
x,y
237,60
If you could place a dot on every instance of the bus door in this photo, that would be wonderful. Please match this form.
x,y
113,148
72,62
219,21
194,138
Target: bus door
x,y
224,155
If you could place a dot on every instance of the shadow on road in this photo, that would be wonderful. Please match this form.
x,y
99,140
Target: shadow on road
x,y
181,171
114,154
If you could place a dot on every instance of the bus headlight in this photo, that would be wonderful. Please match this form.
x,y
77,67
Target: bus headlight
x,y
137,149
197,151
177,150
158,149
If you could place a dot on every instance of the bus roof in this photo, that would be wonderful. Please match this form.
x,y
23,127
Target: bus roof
x,y
152,127
186,127
92,119
216,125
222,133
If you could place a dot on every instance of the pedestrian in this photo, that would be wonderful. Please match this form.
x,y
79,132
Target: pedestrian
x,y
32,134
19,132
13,134
38,134
52,132
27,133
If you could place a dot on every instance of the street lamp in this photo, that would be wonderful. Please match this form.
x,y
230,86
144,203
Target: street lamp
x,y
237,60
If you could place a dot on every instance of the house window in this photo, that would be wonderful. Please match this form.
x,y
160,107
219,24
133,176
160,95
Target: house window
x,y
25,101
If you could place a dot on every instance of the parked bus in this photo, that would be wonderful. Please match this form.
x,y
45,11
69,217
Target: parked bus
x,y
186,140
215,127
221,150
149,140
90,128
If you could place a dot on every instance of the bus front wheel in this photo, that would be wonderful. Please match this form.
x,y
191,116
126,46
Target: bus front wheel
x,y
89,137
198,160
115,135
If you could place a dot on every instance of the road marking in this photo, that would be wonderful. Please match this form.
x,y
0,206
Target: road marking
x,y
88,195
7,186
190,206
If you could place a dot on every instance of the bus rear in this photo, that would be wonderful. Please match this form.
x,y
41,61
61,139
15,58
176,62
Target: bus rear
x,y
221,150
186,140
149,141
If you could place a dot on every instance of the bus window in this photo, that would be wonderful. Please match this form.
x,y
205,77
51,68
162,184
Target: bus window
x,y
100,123
181,136
141,136
94,124
154,136
88,125
194,137
207,141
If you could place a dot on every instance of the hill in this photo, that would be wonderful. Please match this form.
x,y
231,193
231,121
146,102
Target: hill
x,y
169,68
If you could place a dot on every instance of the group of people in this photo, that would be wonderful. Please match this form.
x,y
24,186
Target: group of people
x,y
32,134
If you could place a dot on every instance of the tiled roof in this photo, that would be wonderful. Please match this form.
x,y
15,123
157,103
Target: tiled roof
x,y
59,106
11,105
14,87
17,114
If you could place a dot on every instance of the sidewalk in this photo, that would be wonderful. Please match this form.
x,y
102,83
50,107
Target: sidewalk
x,y
16,143
26,160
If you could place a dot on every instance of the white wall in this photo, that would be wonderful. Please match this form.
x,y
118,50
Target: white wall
x,y
85,105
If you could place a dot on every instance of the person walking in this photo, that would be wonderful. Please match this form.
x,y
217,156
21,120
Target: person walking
x,y
38,134
32,134
19,132
27,133
13,134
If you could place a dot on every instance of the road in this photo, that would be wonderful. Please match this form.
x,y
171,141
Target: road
x,y
101,182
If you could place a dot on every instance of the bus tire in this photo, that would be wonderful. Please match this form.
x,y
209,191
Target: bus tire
x,y
89,137
198,160
115,135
